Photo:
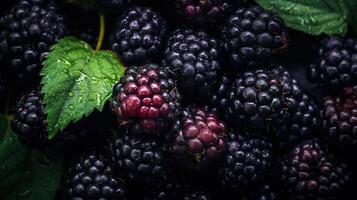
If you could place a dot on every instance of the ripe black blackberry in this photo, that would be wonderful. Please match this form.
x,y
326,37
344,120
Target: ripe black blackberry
x,y
247,160
252,35
204,12
340,120
30,124
310,171
197,139
146,99
141,159
269,102
138,35
336,63
193,58
27,32
91,177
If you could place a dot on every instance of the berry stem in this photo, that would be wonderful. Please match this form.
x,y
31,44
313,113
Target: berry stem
x,y
101,32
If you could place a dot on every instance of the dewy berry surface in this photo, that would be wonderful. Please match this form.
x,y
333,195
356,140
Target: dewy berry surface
x,y
178,100
148,97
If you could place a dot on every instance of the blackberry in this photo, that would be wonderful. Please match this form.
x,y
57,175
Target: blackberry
x,y
90,177
252,35
193,58
247,160
310,171
269,102
219,98
142,159
27,33
204,12
30,124
340,119
197,139
138,35
146,98
336,63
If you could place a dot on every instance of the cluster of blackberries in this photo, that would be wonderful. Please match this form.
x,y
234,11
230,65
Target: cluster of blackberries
x,y
196,116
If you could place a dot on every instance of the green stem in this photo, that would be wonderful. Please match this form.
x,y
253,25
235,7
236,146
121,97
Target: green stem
x,y
101,32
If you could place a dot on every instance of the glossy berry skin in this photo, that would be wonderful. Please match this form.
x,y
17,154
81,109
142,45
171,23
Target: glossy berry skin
x,y
90,177
30,125
27,32
146,98
193,59
252,35
268,102
204,12
138,35
340,120
197,139
30,121
141,159
335,66
310,171
247,160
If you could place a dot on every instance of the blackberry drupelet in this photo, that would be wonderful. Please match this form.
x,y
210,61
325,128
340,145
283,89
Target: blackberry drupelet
x,y
204,12
197,139
146,99
248,160
27,32
91,178
138,35
340,120
252,35
336,63
30,124
142,160
270,102
193,58
310,171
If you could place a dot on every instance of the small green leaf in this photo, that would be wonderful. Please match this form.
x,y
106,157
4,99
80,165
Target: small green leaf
x,y
76,80
312,16
24,173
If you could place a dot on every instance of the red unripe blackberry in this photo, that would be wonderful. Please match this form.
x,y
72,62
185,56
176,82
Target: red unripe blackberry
x,y
311,172
339,117
146,98
197,138
204,12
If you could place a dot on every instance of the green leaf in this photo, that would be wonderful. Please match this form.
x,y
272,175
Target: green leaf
x,y
312,16
24,173
76,80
